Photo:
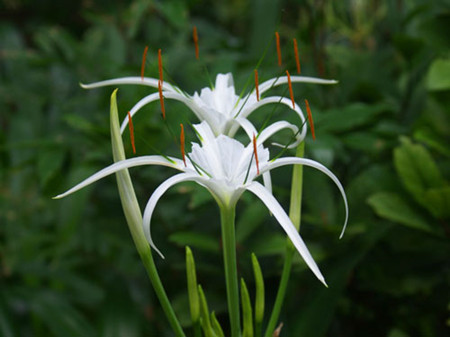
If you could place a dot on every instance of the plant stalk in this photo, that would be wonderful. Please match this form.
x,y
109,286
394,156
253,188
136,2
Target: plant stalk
x,y
227,216
133,216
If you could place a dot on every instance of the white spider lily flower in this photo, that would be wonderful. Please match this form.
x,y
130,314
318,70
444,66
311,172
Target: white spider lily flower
x,y
220,106
226,168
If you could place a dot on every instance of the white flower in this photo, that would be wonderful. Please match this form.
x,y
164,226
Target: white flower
x,y
220,107
226,168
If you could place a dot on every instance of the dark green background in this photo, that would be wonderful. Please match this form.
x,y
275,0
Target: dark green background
x,y
68,267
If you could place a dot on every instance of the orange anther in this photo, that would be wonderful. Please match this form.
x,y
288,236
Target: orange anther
x,y
256,154
130,126
195,37
160,67
182,144
291,93
144,56
277,36
256,85
311,122
297,59
161,100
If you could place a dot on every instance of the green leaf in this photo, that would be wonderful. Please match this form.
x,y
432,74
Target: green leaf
x,y
49,163
204,313
247,316
201,241
392,207
438,77
417,170
438,201
194,302
60,317
350,117
259,297
216,325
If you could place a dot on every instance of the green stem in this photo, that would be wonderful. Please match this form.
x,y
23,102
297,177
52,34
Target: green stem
x,y
133,216
287,266
227,216
295,209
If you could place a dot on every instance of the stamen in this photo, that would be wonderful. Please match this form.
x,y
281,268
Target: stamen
x,y
182,144
311,123
144,56
256,85
131,127
256,154
297,59
291,93
277,36
161,100
195,37
160,67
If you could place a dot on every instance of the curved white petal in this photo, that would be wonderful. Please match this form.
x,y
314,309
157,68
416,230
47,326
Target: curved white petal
x,y
272,204
167,95
124,164
274,128
308,162
139,105
278,100
147,81
267,181
154,198
263,87
248,127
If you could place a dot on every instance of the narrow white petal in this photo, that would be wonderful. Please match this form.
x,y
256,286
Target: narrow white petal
x,y
147,81
308,162
263,87
248,127
124,164
154,198
139,105
167,95
274,128
272,204
267,181
277,100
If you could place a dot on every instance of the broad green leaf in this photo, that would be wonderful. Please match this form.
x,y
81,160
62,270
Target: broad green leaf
x,y
350,117
273,244
392,207
60,316
197,240
249,220
438,77
416,169
438,201
49,163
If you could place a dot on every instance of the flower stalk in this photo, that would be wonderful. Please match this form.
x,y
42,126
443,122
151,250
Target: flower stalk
x,y
227,216
133,216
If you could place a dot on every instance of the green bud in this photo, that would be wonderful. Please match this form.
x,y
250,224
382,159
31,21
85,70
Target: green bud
x,y
204,313
194,303
259,298
216,325
246,311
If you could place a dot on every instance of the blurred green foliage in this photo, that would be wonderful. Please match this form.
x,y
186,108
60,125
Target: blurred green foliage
x,y
68,267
